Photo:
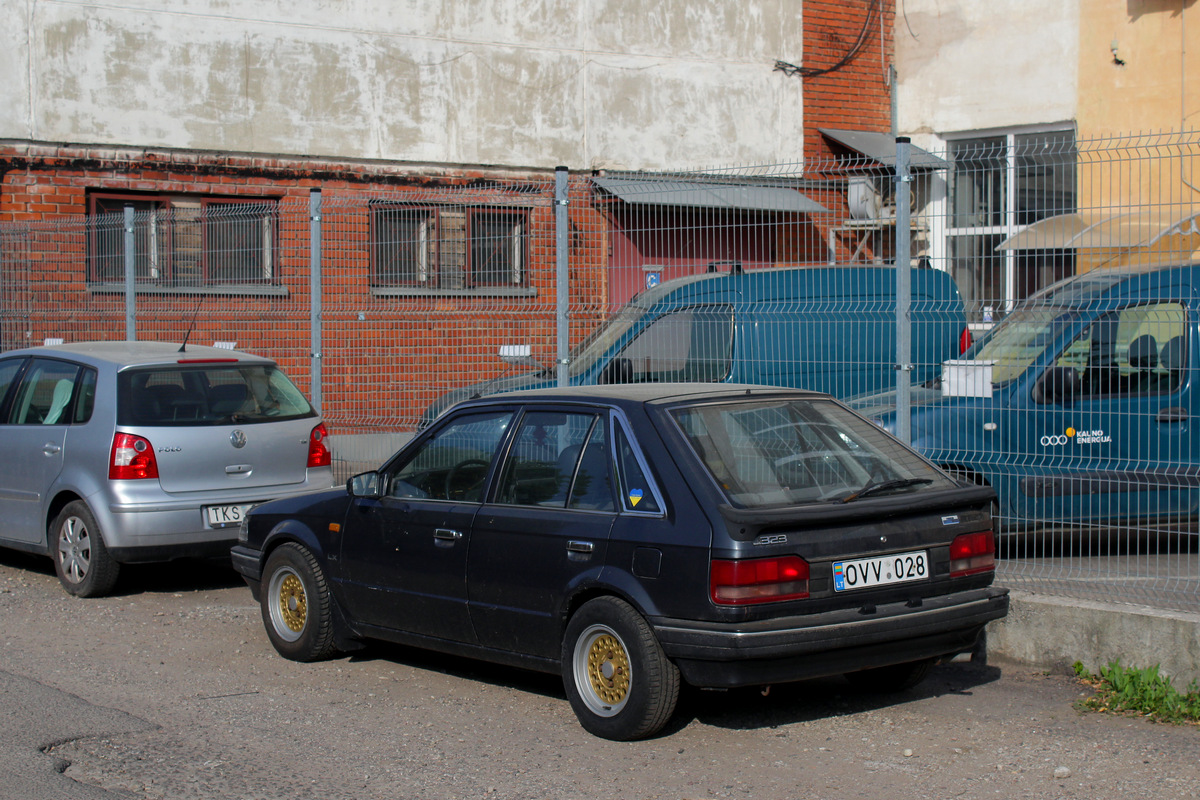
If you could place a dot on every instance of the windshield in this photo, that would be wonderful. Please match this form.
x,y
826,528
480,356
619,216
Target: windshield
x,y
792,451
601,340
1021,339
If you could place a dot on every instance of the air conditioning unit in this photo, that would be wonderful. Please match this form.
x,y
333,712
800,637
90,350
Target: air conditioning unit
x,y
866,201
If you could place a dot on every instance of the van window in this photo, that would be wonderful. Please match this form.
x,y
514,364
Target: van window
x,y
1137,350
692,344
1021,339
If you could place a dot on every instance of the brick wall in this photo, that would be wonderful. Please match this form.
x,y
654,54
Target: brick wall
x,y
857,95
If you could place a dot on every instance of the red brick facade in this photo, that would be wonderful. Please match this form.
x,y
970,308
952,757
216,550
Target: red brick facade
x,y
857,95
384,356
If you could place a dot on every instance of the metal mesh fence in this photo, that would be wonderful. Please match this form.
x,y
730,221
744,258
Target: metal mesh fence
x,y
386,305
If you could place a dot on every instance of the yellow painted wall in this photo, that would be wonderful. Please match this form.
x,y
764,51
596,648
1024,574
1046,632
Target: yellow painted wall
x,y
1157,88
1139,74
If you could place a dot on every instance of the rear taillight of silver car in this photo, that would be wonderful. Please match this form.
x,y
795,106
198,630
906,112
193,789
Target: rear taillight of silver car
x,y
132,458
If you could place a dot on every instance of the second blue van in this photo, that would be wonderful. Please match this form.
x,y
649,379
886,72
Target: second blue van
x,y
1076,408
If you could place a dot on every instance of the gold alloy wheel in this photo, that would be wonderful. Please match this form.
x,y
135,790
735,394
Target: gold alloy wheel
x,y
608,668
293,606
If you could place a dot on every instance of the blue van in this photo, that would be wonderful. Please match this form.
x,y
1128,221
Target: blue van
x,y
1076,408
830,329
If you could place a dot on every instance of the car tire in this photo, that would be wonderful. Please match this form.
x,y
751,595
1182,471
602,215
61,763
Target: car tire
x,y
894,678
297,609
81,559
620,683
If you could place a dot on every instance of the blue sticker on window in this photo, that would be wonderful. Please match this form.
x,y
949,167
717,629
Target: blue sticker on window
x,y
634,496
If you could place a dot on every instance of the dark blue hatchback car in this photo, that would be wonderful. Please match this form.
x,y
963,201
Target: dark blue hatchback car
x,y
633,537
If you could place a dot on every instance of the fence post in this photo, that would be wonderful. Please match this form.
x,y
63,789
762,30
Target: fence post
x,y
314,296
903,292
130,278
561,275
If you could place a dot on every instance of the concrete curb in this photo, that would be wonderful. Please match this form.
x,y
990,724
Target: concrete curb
x,y
1054,632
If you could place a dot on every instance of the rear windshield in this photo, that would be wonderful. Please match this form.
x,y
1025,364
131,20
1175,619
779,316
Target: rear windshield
x,y
789,452
211,394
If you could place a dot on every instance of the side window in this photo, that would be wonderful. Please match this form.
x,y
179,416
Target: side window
x,y
453,463
1137,350
558,460
44,394
637,491
694,344
8,373
85,398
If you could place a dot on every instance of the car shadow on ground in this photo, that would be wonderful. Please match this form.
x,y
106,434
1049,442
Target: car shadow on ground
x,y
182,575
523,680
820,698
748,708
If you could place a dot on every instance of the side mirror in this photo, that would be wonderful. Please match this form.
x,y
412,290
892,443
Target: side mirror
x,y
1057,385
619,370
365,484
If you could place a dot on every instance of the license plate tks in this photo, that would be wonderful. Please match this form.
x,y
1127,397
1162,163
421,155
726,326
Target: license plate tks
x,y
863,573
226,516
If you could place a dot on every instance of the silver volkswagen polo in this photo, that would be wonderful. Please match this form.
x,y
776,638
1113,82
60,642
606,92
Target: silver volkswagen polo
x,y
124,452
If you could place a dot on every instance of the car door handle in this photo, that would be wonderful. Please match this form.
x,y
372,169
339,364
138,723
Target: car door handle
x,y
51,449
576,546
447,534
1173,414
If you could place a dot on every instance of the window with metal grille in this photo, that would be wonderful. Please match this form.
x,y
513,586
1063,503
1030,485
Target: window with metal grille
x,y
497,247
183,240
447,248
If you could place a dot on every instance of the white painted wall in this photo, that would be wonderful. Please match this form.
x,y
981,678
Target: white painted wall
x,y
638,84
972,65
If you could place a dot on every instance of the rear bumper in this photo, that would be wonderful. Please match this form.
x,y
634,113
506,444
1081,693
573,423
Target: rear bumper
x,y
798,648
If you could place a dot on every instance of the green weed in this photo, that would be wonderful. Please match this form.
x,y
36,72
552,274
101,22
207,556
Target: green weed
x,y
1139,691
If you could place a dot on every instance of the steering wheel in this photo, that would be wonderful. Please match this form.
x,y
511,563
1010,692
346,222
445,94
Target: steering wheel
x,y
456,473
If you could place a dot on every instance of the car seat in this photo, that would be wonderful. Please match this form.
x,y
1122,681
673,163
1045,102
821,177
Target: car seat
x,y
58,402
1143,358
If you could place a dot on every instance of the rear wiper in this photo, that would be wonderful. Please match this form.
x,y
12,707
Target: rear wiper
x,y
876,488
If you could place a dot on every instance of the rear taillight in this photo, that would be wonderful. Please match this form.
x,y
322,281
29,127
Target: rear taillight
x,y
972,553
964,341
758,580
318,452
132,459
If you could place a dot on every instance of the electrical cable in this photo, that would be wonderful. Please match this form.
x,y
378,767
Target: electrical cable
x,y
811,72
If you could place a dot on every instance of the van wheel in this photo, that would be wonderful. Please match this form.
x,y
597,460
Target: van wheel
x,y
894,678
81,559
297,609
620,683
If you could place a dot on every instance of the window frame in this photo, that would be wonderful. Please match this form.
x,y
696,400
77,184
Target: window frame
x,y
158,226
1004,217
451,250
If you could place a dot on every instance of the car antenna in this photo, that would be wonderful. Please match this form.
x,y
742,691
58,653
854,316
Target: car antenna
x,y
191,325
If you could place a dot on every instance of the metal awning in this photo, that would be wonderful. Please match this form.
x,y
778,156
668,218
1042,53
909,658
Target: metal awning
x,y
747,197
881,147
1146,236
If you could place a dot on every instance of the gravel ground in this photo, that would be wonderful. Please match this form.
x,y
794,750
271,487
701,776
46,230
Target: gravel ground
x,y
182,650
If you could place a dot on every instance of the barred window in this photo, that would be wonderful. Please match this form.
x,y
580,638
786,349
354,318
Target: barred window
x,y
183,241
447,248
497,248
402,237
